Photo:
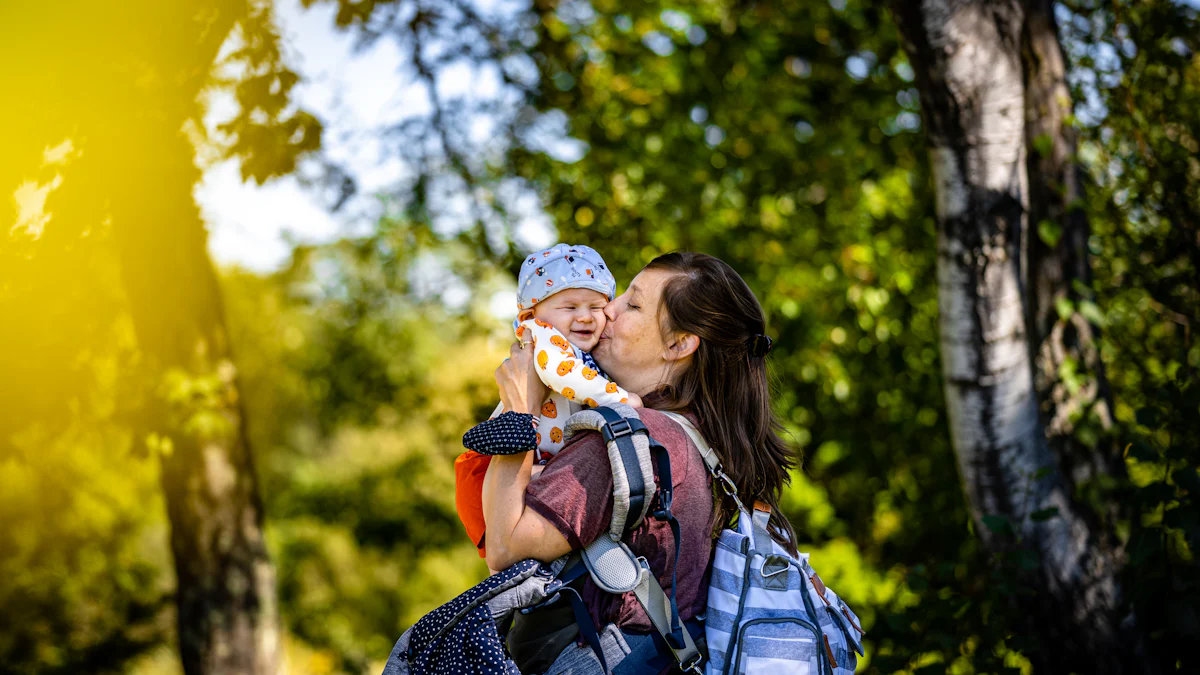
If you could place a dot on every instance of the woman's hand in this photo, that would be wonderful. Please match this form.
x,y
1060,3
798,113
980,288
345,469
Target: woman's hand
x,y
521,390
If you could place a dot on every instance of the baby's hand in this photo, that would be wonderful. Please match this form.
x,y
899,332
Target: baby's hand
x,y
634,401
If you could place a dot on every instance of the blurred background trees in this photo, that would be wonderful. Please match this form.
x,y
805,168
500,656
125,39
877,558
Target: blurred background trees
x,y
786,138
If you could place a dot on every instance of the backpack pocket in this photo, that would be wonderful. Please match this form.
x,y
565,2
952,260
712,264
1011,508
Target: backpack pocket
x,y
846,621
783,645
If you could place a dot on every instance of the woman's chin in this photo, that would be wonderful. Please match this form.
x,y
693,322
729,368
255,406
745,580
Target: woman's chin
x,y
600,347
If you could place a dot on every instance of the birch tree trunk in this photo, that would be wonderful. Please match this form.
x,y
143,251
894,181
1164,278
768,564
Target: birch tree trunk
x,y
996,304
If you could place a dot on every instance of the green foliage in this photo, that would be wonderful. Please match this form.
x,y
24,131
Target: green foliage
x,y
360,388
779,139
94,141
1141,65
782,137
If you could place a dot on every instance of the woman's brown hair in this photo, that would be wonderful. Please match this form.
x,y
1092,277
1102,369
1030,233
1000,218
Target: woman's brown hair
x,y
726,386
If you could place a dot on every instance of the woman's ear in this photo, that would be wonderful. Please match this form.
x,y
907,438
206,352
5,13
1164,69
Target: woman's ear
x,y
681,346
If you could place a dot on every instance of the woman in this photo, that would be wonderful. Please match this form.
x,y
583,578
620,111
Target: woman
x,y
687,336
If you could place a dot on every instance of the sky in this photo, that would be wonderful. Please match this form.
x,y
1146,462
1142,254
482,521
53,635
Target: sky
x,y
355,93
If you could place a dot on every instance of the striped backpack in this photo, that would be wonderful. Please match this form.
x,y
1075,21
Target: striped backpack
x,y
769,612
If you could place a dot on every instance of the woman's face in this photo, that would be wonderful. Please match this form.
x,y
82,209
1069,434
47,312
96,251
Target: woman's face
x,y
631,348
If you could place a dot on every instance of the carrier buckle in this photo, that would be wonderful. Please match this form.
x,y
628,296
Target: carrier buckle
x,y
616,429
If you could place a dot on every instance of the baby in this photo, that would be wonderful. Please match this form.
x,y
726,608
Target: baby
x,y
561,294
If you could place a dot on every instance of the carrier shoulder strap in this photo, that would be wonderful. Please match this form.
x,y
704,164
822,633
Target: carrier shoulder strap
x,y
629,456
612,565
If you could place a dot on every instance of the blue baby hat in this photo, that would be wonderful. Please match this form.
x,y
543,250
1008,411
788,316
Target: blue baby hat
x,y
560,267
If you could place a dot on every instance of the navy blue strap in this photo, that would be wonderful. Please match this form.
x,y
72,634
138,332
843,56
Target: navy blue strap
x,y
587,627
621,429
663,498
508,433
573,570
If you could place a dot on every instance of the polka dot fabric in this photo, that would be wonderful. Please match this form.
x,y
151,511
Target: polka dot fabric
x,y
461,637
506,434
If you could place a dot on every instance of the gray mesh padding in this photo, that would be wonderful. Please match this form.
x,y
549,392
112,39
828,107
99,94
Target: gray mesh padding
x,y
612,565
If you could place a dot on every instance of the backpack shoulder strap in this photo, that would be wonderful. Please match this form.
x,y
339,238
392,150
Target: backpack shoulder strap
x,y
706,452
761,514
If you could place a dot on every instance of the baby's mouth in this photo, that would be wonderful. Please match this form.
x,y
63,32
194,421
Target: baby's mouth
x,y
584,333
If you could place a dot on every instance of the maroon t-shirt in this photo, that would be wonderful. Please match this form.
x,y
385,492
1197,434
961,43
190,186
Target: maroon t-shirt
x,y
574,492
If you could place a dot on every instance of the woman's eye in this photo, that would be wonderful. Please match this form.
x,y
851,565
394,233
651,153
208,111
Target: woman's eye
x,y
633,306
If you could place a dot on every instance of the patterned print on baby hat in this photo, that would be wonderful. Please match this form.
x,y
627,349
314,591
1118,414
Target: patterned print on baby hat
x,y
560,267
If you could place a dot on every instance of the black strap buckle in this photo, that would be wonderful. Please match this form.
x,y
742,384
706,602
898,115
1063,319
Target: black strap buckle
x,y
661,507
616,429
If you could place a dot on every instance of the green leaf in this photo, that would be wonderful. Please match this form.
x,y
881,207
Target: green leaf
x,y
1042,145
997,524
1091,312
1045,514
1065,308
1049,232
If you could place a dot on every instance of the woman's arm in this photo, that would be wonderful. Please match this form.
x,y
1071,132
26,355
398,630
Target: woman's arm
x,y
515,532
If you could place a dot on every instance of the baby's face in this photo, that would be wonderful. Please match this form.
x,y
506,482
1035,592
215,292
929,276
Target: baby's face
x,y
577,313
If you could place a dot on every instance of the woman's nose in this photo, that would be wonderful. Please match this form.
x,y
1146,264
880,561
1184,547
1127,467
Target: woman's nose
x,y
610,310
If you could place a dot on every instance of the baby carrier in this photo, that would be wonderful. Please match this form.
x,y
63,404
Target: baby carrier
x,y
759,598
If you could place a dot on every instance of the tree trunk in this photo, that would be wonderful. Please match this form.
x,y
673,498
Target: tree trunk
x,y
225,584
1058,265
123,99
227,614
997,288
